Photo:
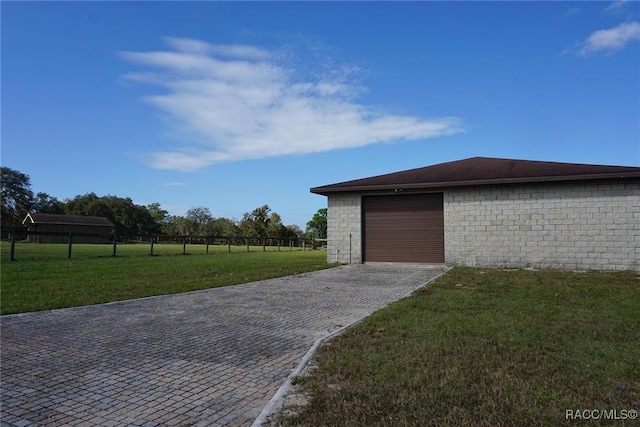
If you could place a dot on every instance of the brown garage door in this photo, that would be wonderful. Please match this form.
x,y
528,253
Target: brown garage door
x,y
403,228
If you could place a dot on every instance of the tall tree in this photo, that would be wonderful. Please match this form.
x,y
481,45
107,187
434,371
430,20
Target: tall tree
x,y
225,227
127,217
44,203
275,228
257,222
293,231
159,215
203,220
17,197
181,226
86,204
318,224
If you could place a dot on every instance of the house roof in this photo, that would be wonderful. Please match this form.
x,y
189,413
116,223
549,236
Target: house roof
x,y
482,171
41,218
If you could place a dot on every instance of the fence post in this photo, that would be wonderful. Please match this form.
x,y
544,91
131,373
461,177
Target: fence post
x,y
115,240
70,244
12,250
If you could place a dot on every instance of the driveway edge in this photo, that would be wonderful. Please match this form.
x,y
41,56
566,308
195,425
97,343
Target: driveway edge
x,y
277,398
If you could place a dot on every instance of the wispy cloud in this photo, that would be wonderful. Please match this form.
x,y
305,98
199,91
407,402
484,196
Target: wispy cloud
x,y
617,6
233,102
173,184
573,11
611,40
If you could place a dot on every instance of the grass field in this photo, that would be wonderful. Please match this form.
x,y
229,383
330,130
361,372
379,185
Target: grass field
x,y
484,348
42,277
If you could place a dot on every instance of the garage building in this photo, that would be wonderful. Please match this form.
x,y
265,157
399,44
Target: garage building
x,y
490,212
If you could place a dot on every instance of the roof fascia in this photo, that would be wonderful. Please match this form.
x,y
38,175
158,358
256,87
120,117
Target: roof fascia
x,y
29,217
496,181
92,224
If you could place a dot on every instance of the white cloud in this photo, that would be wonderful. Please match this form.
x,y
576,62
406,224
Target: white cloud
x,y
617,6
234,102
573,11
611,40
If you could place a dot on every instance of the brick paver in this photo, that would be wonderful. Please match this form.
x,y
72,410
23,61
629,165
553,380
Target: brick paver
x,y
206,358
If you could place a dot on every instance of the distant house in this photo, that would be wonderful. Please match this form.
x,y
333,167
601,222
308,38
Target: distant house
x,y
490,212
86,229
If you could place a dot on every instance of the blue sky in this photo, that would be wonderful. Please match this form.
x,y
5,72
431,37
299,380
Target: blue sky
x,y
232,106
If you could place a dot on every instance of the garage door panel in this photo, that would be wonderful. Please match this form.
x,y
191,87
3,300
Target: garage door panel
x,y
403,228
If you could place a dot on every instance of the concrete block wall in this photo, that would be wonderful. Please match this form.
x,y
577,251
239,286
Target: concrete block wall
x,y
344,223
588,225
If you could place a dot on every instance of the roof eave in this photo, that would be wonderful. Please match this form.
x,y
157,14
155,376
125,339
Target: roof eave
x,y
28,217
54,222
75,223
326,190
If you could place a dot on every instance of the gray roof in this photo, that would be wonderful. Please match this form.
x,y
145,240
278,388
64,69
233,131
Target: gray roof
x,y
482,171
40,218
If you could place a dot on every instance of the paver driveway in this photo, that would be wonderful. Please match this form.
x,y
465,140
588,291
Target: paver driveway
x,y
211,357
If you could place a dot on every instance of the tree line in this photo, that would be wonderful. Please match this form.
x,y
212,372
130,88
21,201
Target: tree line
x,y
130,219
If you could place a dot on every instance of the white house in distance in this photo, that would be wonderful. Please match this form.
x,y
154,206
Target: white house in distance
x,y
490,212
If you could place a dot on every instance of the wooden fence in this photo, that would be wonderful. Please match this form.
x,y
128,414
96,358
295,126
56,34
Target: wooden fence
x,y
116,240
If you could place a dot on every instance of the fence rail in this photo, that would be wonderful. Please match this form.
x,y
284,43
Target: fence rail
x,y
153,240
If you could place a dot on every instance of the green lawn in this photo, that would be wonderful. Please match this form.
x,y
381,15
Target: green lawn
x,y
42,278
484,347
